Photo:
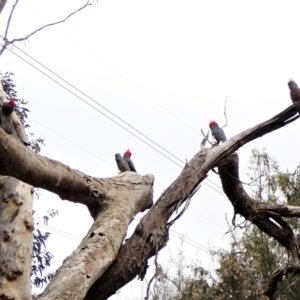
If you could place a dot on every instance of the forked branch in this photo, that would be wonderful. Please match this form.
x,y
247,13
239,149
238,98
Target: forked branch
x,y
8,42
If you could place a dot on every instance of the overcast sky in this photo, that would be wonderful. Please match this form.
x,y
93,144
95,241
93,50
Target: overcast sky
x,y
165,68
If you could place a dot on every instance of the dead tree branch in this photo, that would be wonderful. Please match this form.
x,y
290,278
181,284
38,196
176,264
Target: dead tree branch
x,y
225,113
267,217
152,232
134,254
205,139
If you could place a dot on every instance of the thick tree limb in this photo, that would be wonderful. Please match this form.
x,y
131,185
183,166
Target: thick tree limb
x,y
101,244
277,276
255,211
152,233
266,216
18,161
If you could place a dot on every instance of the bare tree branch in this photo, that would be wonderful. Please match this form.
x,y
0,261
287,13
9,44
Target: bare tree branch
x,y
225,113
268,217
277,277
9,19
205,139
10,42
152,232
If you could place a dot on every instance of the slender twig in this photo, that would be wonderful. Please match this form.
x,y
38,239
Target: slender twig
x,y
289,286
261,175
205,139
187,203
155,275
9,19
7,42
225,113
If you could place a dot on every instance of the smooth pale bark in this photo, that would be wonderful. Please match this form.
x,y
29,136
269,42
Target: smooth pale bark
x,y
16,226
129,194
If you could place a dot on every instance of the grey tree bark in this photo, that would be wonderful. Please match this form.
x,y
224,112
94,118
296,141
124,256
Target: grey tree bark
x,y
99,267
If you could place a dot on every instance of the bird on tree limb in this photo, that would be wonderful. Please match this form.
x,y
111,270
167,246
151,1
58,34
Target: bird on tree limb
x,y
127,157
121,163
217,132
8,106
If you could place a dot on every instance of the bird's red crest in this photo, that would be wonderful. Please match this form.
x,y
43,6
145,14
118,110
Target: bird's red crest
x,y
212,123
128,153
12,102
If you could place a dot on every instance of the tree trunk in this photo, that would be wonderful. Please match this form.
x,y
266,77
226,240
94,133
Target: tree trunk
x,y
16,224
16,241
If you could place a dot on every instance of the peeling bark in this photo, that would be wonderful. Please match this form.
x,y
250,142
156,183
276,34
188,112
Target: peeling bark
x,y
16,226
129,194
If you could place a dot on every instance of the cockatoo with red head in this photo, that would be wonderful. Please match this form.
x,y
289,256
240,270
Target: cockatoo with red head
x,y
8,106
127,157
217,132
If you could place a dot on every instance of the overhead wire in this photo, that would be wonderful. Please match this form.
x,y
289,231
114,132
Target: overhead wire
x,y
86,102
193,243
115,71
77,239
70,141
97,103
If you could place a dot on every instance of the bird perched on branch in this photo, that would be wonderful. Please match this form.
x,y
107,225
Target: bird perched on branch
x,y
122,163
8,106
217,132
294,91
127,156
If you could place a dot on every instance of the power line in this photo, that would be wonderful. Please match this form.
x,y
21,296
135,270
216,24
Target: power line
x,y
80,98
172,232
190,241
97,103
63,137
115,71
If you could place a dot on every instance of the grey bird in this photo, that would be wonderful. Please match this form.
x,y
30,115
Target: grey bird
x,y
121,162
127,157
217,132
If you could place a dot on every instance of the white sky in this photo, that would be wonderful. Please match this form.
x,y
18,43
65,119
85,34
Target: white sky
x,y
166,68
